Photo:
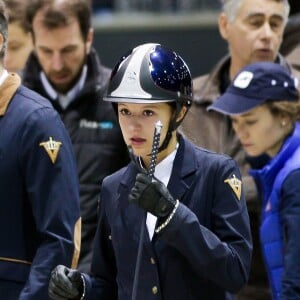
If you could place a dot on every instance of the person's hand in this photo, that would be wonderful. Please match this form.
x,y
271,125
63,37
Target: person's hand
x,y
153,197
65,284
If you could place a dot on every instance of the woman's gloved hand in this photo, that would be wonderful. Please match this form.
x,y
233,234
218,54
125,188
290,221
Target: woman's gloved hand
x,y
152,196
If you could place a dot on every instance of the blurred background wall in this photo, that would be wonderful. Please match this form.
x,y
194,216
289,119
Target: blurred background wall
x,y
187,26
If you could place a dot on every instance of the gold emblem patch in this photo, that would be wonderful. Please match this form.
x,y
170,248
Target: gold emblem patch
x,y
52,148
236,185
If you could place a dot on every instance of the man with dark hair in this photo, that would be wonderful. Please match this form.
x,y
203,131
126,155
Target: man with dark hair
x,y
40,213
66,69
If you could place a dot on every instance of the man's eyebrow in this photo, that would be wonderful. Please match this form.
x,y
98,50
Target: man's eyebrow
x,y
259,14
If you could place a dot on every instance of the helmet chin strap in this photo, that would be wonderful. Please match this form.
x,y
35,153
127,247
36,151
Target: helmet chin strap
x,y
172,126
168,137
166,141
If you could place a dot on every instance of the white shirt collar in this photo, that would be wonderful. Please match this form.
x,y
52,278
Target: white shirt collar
x,y
3,76
64,99
162,172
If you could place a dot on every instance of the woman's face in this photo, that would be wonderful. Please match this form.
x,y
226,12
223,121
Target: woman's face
x,y
137,123
259,131
19,46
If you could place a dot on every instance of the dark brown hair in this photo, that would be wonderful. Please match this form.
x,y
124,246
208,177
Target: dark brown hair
x,y
16,10
57,13
3,28
288,108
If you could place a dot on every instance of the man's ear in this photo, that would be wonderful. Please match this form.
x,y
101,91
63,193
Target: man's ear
x,y
89,40
223,23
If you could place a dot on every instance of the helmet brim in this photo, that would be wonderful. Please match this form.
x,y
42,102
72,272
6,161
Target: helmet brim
x,y
136,100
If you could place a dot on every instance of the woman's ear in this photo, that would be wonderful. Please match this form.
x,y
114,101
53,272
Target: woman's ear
x,y
283,120
181,114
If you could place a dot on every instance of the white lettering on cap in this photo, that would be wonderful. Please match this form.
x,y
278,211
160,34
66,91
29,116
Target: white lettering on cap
x,y
243,80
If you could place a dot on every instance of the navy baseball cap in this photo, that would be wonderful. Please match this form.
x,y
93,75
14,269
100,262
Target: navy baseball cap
x,y
254,85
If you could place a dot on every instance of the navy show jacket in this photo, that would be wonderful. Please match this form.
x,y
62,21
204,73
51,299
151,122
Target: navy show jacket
x,y
203,253
40,212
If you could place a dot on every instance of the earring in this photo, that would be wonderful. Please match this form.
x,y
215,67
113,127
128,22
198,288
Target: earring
x,y
283,123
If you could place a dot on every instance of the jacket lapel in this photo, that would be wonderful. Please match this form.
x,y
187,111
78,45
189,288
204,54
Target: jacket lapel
x,y
183,170
132,215
181,179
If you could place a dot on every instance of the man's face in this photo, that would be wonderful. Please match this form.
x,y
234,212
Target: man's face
x,y
19,46
256,33
61,52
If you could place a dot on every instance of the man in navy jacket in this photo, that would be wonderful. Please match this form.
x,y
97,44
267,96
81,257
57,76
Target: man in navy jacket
x,y
66,69
40,215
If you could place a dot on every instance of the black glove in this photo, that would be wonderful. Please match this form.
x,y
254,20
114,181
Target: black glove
x,y
154,196
65,284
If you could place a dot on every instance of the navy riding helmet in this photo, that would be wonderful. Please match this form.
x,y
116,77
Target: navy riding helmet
x,y
151,73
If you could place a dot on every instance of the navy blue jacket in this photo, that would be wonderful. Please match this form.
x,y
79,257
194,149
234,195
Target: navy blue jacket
x,y
203,253
96,137
40,214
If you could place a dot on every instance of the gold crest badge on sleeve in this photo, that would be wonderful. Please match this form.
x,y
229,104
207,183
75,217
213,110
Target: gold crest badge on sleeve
x,y
52,148
236,185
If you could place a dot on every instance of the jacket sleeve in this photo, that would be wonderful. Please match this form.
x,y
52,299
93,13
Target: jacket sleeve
x,y
50,174
222,252
290,213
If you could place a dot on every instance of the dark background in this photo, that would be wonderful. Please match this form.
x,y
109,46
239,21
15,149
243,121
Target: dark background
x,y
199,45
193,35
200,48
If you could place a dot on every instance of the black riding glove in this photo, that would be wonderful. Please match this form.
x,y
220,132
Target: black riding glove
x,y
65,284
153,197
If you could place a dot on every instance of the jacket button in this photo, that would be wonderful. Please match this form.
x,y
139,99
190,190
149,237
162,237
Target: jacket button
x,y
154,290
152,260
